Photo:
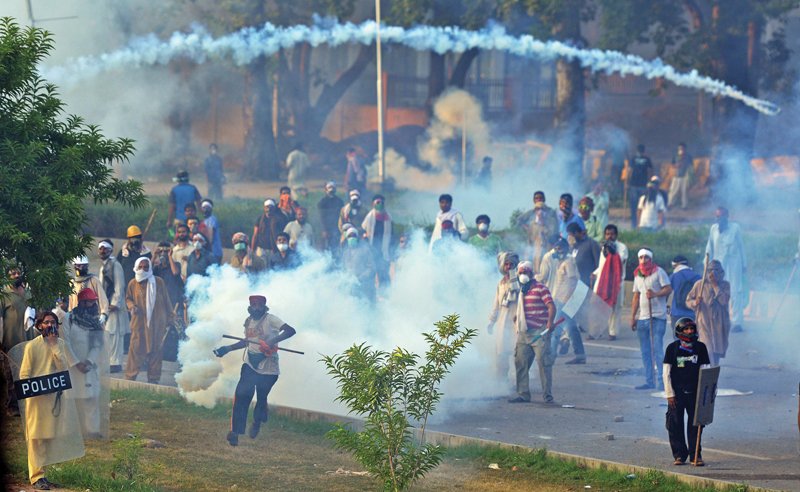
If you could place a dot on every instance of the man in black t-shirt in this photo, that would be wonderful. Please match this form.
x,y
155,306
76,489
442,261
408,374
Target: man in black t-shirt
x,y
641,168
683,359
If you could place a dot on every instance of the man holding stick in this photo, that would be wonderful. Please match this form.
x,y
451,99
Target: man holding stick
x,y
260,370
651,288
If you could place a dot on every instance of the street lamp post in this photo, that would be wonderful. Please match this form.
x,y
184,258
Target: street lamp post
x,y
379,84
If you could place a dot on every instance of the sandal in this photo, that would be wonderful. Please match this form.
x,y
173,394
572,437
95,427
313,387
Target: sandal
x,y
698,463
678,462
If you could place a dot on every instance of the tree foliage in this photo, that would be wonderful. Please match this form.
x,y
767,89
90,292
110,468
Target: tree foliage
x,y
50,164
392,391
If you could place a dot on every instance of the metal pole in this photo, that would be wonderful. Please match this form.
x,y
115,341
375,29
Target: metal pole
x,y
379,83
463,148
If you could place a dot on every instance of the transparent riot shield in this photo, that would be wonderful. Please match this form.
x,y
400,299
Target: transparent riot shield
x,y
588,310
50,420
91,385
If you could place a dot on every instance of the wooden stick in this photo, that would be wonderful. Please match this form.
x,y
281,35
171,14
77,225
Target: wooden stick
x,y
256,343
783,296
149,222
703,282
697,445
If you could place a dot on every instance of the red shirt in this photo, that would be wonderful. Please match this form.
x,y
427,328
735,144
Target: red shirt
x,y
535,305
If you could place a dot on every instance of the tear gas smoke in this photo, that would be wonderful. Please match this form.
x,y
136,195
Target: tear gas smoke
x,y
317,300
245,45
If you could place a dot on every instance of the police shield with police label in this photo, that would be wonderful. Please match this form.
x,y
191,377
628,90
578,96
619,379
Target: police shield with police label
x,y
50,418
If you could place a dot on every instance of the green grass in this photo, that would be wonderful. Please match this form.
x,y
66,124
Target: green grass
x,y
292,455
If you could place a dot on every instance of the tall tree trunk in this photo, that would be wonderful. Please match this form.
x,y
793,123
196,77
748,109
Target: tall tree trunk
x,y
437,80
570,116
261,159
459,75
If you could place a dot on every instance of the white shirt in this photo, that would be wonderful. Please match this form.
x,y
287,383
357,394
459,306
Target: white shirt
x,y
650,210
655,282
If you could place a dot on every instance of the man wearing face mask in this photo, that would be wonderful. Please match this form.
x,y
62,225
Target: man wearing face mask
x,y
448,213
377,226
151,312
243,258
284,258
651,288
212,227
725,245
299,230
83,333
199,259
540,225
329,207
266,230
132,251
566,216
610,277
358,260
488,243
535,313
260,370
561,275
85,280
12,330
710,304
112,283
503,311
594,229
352,212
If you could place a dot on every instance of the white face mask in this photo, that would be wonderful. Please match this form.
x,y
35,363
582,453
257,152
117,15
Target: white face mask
x,y
483,227
197,245
524,278
282,247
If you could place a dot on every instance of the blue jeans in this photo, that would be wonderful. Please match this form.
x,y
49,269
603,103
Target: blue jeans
x,y
650,359
574,336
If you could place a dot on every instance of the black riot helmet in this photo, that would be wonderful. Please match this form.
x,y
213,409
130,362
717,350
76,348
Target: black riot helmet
x,y
680,330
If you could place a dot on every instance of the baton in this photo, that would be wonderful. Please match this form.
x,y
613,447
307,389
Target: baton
x,y
542,333
256,343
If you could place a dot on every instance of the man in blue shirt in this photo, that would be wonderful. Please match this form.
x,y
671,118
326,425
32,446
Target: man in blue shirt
x,y
567,216
682,280
182,194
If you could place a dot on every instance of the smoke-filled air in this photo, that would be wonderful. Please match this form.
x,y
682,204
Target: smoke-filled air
x,y
319,300
248,43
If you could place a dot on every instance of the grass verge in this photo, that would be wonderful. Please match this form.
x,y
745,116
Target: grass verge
x,y
289,454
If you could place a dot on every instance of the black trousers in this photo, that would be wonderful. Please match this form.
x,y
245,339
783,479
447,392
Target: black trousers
x,y
675,427
251,382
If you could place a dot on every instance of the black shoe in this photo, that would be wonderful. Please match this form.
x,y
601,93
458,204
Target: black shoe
x,y
646,386
254,428
115,369
576,361
548,399
41,484
737,329
518,399
233,438
51,484
563,346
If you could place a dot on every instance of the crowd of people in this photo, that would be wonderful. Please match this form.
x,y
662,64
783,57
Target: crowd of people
x,y
133,298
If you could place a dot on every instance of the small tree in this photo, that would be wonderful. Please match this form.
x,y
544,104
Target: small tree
x,y
49,164
393,391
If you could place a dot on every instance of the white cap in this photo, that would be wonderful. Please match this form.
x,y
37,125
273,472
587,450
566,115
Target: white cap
x,y
525,265
330,184
644,252
355,193
80,260
105,244
351,232
206,203
269,202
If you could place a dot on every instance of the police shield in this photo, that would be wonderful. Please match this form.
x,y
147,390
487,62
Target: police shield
x,y
588,310
90,380
50,419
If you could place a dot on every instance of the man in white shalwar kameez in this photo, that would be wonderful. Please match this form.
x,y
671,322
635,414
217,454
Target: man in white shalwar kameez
x,y
725,245
501,319
112,283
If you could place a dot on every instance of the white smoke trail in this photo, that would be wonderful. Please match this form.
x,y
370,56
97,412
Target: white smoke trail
x,y
316,299
249,43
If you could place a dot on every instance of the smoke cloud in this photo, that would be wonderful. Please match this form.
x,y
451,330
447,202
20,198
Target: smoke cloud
x,y
319,301
249,43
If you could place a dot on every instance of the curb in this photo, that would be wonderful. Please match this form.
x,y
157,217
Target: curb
x,y
455,440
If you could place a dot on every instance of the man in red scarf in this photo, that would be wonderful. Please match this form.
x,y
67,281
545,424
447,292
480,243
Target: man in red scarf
x,y
610,275
651,288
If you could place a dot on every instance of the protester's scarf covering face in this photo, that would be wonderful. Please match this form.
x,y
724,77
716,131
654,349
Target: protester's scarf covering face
x,y
142,276
85,320
646,269
610,278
